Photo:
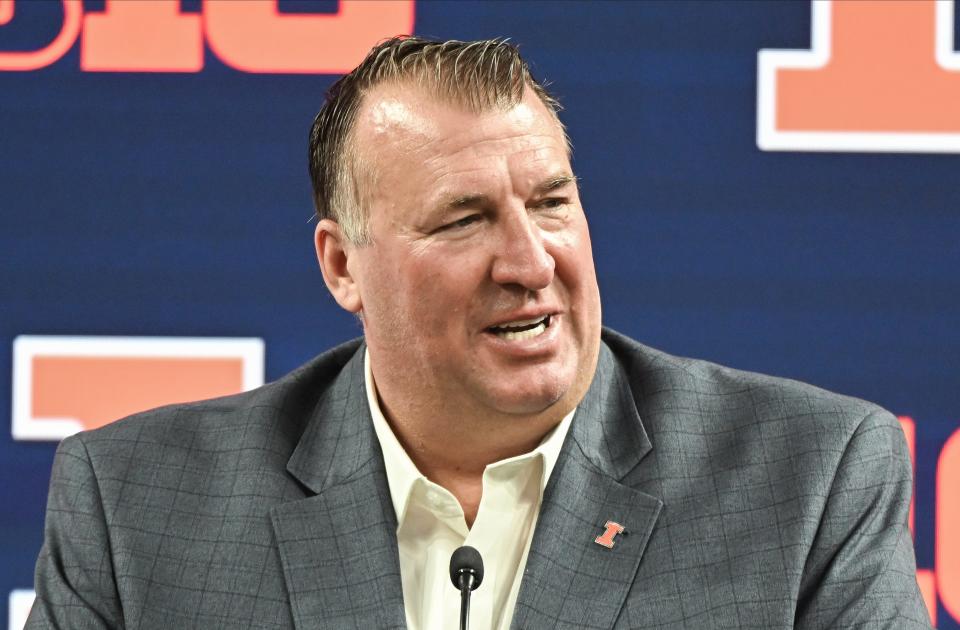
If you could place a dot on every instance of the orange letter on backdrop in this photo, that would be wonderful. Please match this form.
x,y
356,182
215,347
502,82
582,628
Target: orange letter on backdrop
x,y
948,526
925,577
34,59
249,35
142,37
322,43
882,75
62,385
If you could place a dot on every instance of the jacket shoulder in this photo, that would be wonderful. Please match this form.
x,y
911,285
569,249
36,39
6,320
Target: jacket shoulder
x,y
702,392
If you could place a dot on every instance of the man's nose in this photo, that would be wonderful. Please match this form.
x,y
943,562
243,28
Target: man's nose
x,y
521,256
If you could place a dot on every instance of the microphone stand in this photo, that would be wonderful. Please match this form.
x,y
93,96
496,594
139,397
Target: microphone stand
x,y
466,587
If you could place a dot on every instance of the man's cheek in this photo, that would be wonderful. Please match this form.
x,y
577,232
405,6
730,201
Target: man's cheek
x,y
431,311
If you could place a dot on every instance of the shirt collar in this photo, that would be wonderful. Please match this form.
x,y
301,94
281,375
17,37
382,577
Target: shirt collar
x,y
402,473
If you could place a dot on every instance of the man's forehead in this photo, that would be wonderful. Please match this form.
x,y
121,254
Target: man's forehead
x,y
391,111
411,145
408,113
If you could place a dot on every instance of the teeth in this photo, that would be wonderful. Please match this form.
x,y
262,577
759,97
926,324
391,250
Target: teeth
x,y
521,322
523,334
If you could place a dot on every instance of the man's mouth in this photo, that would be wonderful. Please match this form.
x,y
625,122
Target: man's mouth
x,y
521,329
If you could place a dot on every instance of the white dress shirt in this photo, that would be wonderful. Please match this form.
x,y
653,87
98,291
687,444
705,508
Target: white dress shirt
x,y
431,524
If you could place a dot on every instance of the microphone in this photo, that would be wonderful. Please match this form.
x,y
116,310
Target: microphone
x,y
466,573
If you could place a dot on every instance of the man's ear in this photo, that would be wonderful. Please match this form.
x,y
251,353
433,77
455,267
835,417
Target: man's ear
x,y
333,250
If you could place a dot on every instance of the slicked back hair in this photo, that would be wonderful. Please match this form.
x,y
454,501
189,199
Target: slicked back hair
x,y
478,76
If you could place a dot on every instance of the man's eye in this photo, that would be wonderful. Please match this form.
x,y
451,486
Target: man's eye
x,y
552,202
462,223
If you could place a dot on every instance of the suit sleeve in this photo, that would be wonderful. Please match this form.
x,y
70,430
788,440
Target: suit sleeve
x,y
861,570
75,576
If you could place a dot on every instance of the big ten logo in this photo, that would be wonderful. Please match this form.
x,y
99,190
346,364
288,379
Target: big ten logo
x,y
881,75
249,35
943,581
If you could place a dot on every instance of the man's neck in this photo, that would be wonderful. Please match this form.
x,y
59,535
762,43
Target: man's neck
x,y
453,449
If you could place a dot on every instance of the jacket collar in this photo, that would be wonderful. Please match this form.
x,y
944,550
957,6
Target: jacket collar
x,y
338,547
339,550
607,427
338,441
570,580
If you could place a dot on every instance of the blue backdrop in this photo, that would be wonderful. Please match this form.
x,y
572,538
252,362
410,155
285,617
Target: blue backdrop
x,y
139,203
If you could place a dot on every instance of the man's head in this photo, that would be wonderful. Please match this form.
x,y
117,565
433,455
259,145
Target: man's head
x,y
478,76
471,225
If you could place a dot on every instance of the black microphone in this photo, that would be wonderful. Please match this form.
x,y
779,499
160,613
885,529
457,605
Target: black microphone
x,y
466,573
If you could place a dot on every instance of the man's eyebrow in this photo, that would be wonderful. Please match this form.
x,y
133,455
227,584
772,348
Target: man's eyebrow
x,y
465,201
477,199
554,183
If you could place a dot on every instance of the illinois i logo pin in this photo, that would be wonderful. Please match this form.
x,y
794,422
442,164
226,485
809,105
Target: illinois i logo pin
x,y
606,539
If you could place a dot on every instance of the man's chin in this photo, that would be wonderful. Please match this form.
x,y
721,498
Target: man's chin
x,y
526,401
527,390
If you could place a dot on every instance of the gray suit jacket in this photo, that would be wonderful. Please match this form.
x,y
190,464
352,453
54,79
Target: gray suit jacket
x,y
749,502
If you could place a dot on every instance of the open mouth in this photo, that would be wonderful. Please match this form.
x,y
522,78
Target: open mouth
x,y
521,329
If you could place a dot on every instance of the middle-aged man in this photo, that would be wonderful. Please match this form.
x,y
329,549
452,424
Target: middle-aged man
x,y
606,484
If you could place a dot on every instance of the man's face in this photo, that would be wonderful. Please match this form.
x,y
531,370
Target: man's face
x,y
478,291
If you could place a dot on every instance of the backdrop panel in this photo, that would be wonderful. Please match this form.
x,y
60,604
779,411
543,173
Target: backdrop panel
x,y
153,183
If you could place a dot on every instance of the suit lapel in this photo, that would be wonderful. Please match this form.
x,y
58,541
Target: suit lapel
x,y
338,546
569,580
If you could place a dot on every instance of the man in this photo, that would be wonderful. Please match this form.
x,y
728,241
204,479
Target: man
x,y
607,485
